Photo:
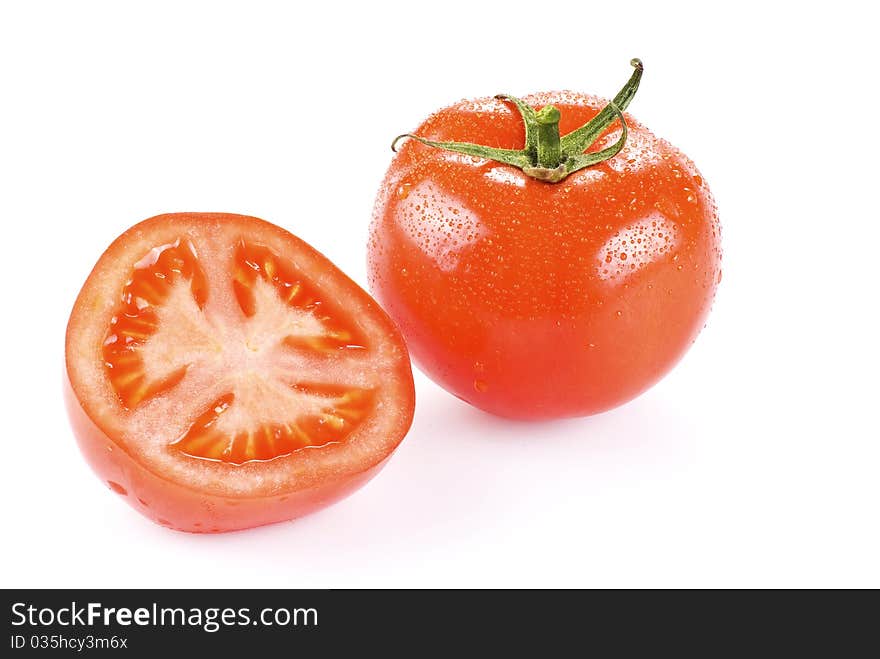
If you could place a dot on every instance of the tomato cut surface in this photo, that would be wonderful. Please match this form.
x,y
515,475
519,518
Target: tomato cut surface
x,y
216,358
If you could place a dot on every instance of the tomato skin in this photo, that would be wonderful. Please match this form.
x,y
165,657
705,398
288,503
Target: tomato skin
x,y
202,507
534,300
184,509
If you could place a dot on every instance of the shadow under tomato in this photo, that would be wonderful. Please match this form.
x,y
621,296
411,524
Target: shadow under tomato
x,y
461,476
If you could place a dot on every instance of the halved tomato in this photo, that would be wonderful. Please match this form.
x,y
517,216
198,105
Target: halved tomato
x,y
222,374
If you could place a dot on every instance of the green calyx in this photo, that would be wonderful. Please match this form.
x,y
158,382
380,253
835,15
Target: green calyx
x,y
546,156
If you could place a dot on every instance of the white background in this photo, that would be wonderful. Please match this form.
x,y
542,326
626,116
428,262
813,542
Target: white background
x,y
755,463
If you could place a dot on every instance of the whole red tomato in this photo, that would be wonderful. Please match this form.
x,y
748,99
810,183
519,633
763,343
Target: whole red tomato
x,y
536,276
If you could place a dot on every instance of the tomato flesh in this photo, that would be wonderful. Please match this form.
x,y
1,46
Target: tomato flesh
x,y
234,361
151,281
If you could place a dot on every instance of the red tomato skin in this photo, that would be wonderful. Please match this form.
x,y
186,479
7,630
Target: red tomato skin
x,y
500,284
181,508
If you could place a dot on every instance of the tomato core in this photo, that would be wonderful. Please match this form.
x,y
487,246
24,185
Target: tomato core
x,y
332,412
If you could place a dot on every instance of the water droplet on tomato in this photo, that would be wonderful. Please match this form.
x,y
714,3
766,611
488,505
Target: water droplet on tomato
x,y
116,487
619,313
481,386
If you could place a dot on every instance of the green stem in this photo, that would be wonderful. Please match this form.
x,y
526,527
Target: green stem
x,y
546,156
579,140
549,150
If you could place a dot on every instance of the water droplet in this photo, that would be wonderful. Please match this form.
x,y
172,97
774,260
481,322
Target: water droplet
x,y
116,487
619,314
481,386
403,190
